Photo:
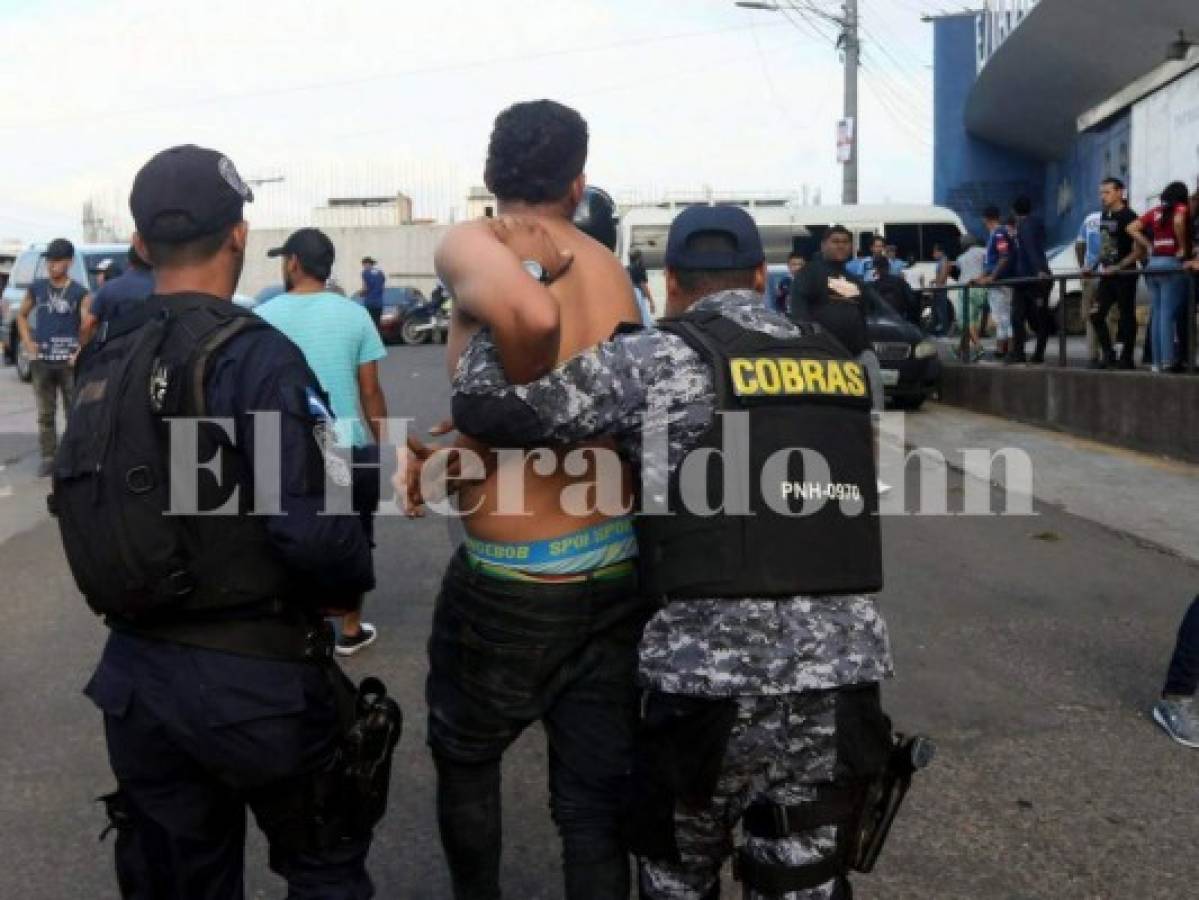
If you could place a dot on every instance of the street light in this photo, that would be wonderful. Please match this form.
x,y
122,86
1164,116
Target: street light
x,y
847,42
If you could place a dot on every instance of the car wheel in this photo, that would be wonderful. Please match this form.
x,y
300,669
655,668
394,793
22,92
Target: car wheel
x,y
24,369
410,335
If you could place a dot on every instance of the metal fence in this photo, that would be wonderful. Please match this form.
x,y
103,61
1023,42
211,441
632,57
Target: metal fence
x,y
1061,279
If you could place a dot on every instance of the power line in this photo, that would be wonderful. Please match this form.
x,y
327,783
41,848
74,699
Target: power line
x,y
900,69
404,73
615,87
917,97
909,128
884,11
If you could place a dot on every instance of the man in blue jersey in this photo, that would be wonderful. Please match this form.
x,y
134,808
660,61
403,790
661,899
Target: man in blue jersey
x,y
1000,263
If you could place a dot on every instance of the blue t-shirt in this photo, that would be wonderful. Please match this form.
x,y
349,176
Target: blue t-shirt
x,y
1000,245
336,336
863,267
56,320
124,293
373,280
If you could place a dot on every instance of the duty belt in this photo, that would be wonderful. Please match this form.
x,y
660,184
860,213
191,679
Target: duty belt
x,y
292,639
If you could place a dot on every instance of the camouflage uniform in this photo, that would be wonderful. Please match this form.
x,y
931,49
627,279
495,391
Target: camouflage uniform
x,y
783,660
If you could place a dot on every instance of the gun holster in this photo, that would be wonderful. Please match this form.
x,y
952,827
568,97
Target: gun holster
x,y
862,810
884,797
344,801
363,766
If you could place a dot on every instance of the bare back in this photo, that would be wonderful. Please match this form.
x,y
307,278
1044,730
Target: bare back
x,y
595,296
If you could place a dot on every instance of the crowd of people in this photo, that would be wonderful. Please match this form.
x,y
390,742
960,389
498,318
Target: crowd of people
x,y
647,649
1114,247
692,672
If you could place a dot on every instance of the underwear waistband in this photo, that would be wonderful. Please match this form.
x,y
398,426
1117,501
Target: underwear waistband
x,y
581,552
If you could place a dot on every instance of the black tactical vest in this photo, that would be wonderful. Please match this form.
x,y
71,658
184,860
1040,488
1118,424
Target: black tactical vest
x,y
796,478
112,479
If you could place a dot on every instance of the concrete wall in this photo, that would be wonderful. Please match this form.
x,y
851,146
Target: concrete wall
x,y
404,252
1141,411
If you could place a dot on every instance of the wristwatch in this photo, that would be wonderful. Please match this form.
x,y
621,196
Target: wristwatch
x,y
536,270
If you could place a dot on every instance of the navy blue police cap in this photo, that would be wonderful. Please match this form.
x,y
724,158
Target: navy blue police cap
x,y
185,193
731,221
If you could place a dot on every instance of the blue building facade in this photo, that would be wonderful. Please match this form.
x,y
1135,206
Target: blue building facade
x,y
1072,183
970,172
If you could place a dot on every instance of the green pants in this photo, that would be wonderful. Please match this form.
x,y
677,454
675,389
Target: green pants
x,y
50,379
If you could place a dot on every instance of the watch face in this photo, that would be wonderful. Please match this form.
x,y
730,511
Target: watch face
x,y
533,267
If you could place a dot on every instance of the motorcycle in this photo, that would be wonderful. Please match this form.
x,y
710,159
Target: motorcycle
x,y
427,321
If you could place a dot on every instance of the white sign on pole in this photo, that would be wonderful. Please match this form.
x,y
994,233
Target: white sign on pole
x,y
844,140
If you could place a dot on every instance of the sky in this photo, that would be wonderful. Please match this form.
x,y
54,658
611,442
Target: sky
x,y
355,98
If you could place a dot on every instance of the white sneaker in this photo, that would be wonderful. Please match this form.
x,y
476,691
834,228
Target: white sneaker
x,y
883,488
1177,717
348,645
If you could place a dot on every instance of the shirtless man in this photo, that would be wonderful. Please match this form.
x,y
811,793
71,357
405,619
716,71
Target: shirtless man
x,y
538,616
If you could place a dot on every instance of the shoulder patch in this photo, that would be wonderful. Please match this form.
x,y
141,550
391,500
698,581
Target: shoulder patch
x,y
317,407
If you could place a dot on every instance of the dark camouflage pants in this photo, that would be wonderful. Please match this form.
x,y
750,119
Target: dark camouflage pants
x,y
779,749
48,382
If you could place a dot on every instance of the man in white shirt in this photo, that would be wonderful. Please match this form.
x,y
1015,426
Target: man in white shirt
x,y
973,309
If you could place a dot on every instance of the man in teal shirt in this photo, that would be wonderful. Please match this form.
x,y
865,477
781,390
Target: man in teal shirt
x,y
343,348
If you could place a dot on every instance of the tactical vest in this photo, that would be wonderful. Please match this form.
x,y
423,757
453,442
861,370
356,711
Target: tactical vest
x,y
112,480
795,478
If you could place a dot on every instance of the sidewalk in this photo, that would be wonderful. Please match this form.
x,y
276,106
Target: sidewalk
x,y
1153,500
22,493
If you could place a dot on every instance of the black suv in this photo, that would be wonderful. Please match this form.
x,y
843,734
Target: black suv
x,y
911,369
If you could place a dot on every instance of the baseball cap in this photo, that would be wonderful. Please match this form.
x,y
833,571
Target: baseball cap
x,y
312,248
732,221
60,248
187,192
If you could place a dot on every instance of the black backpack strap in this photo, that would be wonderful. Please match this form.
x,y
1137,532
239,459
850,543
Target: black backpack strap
x,y
213,343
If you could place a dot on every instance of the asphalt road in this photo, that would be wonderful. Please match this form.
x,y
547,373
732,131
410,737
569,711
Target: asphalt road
x,y
1030,648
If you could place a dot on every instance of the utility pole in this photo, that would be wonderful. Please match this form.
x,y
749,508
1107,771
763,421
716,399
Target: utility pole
x,y
849,44
849,40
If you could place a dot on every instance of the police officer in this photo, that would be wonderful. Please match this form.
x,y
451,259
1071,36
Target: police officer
x,y
217,682
121,293
762,667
